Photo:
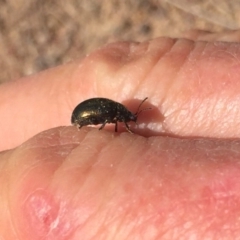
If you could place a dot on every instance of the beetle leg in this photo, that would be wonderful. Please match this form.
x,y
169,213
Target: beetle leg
x,y
116,127
128,128
103,125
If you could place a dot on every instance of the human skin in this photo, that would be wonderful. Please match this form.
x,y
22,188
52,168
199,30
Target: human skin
x,y
177,177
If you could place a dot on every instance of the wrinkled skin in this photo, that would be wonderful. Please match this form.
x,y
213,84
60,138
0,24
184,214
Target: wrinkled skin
x,y
177,178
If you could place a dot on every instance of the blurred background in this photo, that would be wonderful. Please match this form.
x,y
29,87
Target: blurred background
x,y
36,35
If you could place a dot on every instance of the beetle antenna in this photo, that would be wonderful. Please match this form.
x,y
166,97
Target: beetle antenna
x,y
138,112
143,110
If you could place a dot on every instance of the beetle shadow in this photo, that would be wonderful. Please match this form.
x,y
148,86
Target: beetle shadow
x,y
148,114
153,115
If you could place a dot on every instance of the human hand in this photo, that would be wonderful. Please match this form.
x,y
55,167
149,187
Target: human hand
x,y
64,184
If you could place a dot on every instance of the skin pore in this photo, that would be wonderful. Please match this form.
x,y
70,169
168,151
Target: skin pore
x,y
176,178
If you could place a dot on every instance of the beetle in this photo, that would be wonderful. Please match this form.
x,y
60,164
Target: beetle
x,y
102,111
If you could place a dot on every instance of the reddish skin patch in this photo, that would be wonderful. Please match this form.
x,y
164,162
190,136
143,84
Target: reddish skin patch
x,y
44,217
41,212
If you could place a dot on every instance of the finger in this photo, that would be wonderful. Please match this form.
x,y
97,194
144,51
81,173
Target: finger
x,y
91,185
193,87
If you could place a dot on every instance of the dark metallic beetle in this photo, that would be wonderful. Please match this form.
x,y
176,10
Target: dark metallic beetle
x,y
101,111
